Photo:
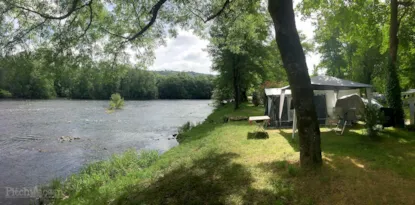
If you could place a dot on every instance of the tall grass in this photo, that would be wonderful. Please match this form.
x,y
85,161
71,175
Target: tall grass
x,y
92,185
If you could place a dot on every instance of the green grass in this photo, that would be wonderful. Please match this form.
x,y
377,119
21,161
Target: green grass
x,y
219,163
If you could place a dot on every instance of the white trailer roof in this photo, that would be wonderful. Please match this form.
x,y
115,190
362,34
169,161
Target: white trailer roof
x,y
275,92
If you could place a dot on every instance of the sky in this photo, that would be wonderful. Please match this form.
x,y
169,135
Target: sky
x,y
187,52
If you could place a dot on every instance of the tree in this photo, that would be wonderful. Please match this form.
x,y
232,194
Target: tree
x,y
355,41
139,25
243,52
233,42
293,57
393,91
350,39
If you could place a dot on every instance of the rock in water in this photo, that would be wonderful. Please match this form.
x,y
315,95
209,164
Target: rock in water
x,y
65,138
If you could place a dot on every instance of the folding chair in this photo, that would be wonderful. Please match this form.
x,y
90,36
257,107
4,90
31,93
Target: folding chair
x,y
346,117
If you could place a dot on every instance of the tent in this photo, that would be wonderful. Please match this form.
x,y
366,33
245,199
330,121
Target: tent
x,y
348,102
331,88
409,98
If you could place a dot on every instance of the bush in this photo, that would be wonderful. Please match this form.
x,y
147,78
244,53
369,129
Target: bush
x,y
183,129
222,95
5,94
116,101
373,117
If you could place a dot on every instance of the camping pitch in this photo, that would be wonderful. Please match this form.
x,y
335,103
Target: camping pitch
x,y
327,90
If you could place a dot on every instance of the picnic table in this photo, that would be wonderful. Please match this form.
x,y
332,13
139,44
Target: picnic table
x,y
260,121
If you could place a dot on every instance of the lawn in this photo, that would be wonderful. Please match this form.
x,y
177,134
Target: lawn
x,y
221,163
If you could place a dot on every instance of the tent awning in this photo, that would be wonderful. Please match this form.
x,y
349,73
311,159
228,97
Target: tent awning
x,y
333,83
276,91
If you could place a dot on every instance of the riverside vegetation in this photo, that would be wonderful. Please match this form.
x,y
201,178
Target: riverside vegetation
x,y
116,101
218,163
39,75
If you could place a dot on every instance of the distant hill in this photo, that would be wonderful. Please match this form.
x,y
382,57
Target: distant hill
x,y
171,72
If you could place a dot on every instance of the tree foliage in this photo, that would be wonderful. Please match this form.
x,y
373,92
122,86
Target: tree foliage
x,y
40,75
243,52
116,101
358,40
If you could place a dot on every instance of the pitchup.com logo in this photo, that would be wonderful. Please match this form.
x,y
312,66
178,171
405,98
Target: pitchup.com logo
x,y
28,192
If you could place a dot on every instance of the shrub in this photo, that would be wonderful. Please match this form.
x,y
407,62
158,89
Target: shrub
x,y
373,117
5,94
183,129
116,101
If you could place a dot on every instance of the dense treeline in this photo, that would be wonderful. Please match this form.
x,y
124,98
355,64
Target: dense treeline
x,y
41,75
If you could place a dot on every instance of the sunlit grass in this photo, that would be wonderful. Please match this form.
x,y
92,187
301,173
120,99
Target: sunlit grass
x,y
218,163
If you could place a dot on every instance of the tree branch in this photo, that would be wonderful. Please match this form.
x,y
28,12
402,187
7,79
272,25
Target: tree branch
x,y
219,12
90,19
212,16
18,37
154,11
406,3
114,34
403,15
47,16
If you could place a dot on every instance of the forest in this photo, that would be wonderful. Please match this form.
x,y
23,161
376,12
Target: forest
x,y
41,75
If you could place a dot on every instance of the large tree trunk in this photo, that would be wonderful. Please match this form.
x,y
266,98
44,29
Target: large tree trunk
x,y
244,96
236,86
293,57
393,88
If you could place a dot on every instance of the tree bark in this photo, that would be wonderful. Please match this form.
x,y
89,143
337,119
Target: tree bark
x,y
293,58
393,88
236,82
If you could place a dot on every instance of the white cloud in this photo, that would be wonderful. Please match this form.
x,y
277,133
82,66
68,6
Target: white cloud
x,y
183,53
186,51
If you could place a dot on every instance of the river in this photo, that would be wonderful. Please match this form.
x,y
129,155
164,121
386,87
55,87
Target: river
x,y
31,152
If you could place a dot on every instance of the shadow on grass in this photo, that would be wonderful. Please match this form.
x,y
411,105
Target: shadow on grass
x,y
341,180
395,151
213,179
257,135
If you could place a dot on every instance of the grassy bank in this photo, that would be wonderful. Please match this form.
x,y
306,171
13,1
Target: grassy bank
x,y
221,163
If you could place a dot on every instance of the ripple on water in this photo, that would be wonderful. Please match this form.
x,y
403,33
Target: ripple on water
x,y
32,154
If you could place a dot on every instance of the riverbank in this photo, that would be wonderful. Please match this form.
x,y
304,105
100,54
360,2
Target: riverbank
x,y
221,163
35,135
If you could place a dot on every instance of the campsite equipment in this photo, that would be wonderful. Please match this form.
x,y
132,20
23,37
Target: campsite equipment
x,y
327,90
409,98
351,102
260,121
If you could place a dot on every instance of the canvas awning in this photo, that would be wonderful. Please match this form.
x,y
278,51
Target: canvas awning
x,y
333,83
276,91
409,97
326,83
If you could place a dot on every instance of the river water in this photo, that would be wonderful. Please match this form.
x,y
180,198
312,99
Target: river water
x,y
31,152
